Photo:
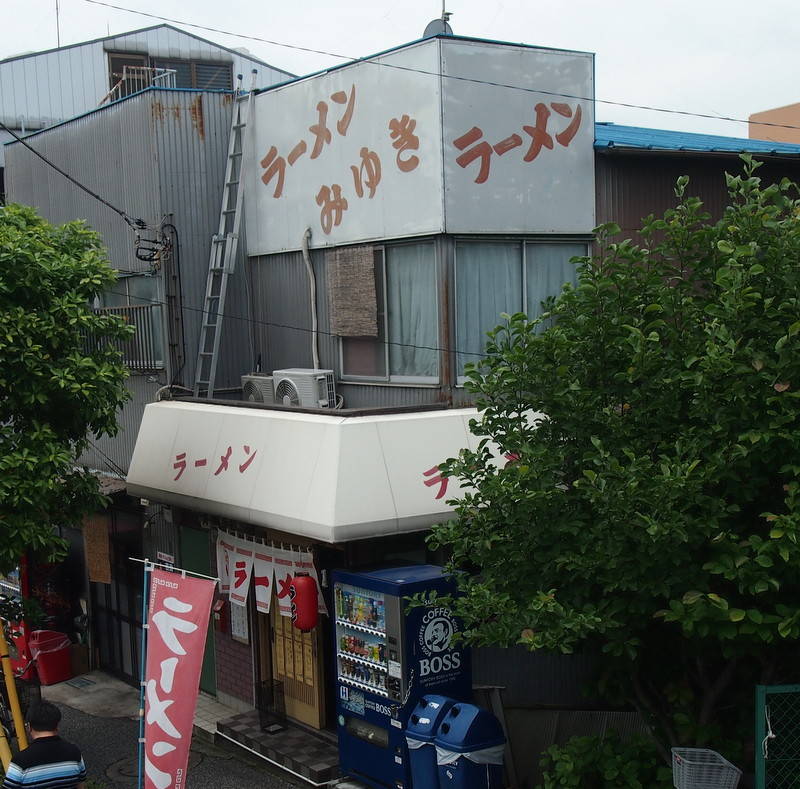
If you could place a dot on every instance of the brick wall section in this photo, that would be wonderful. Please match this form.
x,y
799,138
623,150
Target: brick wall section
x,y
234,660
234,665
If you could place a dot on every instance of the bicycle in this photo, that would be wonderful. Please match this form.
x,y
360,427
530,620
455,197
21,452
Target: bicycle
x,y
29,693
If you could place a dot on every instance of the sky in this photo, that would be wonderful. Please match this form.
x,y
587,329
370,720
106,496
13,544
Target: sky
x,y
711,57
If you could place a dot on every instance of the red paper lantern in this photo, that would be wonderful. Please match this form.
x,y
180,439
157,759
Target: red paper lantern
x,y
303,594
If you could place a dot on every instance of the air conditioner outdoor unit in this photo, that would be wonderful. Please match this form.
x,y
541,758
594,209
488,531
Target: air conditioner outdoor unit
x,y
305,388
258,388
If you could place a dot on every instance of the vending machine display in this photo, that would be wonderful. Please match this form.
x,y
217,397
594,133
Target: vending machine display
x,y
387,656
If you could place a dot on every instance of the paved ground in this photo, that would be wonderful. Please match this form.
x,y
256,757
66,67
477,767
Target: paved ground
x,y
109,750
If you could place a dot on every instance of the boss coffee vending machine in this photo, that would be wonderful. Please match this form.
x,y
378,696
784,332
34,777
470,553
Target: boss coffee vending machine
x,y
387,657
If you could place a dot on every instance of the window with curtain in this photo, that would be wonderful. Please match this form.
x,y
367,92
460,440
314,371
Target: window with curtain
x,y
405,348
504,276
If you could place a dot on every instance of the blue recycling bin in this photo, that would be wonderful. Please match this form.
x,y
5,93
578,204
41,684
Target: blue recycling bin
x,y
420,732
469,749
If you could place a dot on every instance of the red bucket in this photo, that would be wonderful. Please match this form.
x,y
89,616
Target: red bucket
x,y
51,652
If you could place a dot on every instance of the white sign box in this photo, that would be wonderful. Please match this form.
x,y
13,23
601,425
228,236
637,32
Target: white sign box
x,y
445,135
331,478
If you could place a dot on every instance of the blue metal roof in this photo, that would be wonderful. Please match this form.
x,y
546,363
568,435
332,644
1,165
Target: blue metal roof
x,y
608,136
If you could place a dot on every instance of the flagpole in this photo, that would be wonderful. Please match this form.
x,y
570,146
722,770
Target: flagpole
x,y
143,664
173,569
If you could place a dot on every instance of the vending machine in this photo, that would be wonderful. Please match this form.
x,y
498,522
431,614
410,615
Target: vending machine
x,y
388,656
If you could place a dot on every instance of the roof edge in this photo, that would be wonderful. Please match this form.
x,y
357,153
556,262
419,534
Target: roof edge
x,y
144,30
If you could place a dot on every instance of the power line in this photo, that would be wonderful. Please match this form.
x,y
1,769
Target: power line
x,y
272,324
138,224
132,223
369,59
112,466
217,30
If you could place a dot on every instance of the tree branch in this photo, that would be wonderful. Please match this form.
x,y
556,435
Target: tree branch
x,y
715,691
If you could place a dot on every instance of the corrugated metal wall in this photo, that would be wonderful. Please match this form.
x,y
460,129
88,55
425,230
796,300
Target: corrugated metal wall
x,y
282,314
190,132
631,186
112,455
534,679
112,153
282,331
168,42
158,153
48,87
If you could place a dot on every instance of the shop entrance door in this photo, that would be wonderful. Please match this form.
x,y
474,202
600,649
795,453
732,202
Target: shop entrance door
x,y
297,664
196,557
117,606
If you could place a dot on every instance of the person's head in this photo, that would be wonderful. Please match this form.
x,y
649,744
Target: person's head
x,y
44,717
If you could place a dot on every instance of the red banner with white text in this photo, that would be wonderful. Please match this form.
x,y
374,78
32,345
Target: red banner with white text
x,y
179,610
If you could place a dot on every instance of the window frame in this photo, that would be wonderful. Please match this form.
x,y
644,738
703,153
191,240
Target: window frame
x,y
192,63
390,379
522,243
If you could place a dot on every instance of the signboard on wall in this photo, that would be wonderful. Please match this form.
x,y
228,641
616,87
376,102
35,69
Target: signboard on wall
x,y
371,476
353,154
518,136
447,135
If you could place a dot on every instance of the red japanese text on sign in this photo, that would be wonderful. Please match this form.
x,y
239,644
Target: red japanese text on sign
x,y
404,139
247,454
177,624
333,205
436,478
474,148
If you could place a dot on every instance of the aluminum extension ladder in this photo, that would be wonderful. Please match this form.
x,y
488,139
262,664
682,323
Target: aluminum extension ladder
x,y
224,245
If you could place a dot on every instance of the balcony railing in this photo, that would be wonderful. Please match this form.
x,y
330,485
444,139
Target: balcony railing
x,y
136,78
145,349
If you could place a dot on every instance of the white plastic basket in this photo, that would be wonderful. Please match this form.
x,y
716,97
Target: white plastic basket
x,y
701,768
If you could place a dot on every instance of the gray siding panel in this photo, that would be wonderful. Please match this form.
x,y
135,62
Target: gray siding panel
x,y
190,131
159,155
282,323
111,152
112,455
47,87
372,396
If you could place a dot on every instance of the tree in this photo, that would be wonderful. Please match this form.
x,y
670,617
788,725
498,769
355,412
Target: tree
x,y
61,378
649,511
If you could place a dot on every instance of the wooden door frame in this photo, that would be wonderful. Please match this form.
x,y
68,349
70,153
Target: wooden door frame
x,y
317,648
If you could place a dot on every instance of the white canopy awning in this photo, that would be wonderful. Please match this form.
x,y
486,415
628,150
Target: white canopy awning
x,y
331,478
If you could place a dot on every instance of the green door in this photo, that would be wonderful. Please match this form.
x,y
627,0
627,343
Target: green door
x,y
196,557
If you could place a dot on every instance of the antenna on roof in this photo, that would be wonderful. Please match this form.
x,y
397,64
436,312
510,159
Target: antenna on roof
x,y
58,29
441,26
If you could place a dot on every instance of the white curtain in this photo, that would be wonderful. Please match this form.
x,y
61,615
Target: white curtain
x,y
488,282
547,269
413,314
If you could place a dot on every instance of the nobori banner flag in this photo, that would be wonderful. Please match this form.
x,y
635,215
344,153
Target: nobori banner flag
x,y
179,610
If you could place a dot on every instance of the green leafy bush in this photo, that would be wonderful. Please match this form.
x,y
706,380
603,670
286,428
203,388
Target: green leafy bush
x,y
605,763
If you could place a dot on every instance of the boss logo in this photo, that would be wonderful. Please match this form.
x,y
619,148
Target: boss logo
x,y
438,664
382,709
437,630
